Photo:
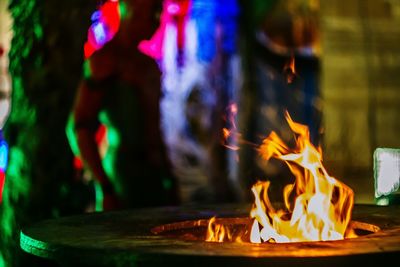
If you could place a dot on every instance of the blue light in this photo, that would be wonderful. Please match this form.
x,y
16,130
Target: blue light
x,y
206,14
95,16
3,155
228,11
99,33
203,13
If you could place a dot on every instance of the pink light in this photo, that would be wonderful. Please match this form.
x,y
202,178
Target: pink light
x,y
175,12
173,9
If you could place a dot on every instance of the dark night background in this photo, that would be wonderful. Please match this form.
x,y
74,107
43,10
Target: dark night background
x,y
359,102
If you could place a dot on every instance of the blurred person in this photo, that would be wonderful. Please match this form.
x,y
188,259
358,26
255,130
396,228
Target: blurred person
x,y
120,89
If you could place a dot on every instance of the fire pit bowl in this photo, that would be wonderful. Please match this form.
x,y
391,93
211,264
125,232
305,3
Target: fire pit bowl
x,y
173,236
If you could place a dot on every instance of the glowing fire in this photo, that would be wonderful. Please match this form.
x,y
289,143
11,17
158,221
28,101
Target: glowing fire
x,y
217,232
290,70
317,206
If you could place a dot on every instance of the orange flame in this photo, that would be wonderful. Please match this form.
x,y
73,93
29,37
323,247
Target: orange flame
x,y
321,206
290,70
228,134
216,232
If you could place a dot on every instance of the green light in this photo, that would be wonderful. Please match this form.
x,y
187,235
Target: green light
x,y
99,196
7,218
24,113
123,11
21,129
167,183
113,139
27,243
2,262
384,201
30,5
37,29
70,132
17,178
87,72
113,136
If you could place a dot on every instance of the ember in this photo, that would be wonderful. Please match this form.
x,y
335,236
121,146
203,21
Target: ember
x,y
317,206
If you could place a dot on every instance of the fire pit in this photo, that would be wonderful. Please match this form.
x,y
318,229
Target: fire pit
x,y
317,207
237,227
174,236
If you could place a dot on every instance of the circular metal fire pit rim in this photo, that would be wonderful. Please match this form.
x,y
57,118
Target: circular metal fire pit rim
x,y
160,229
327,247
232,250
127,233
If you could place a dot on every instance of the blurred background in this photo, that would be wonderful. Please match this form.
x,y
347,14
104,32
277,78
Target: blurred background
x,y
359,87
332,64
